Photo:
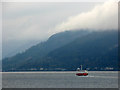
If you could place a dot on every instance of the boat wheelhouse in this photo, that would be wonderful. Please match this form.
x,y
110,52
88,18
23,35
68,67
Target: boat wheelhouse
x,y
81,72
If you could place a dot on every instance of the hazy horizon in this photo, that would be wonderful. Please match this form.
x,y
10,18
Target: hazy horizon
x,y
26,24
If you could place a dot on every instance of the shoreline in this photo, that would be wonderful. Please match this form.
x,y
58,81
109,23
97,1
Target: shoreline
x,y
62,72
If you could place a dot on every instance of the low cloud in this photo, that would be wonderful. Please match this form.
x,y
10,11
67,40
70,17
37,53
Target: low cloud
x,y
101,17
25,24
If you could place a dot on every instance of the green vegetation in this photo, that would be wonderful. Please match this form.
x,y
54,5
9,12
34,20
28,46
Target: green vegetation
x,y
67,51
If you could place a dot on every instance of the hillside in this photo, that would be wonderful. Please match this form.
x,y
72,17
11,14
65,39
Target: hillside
x,y
95,51
67,51
42,49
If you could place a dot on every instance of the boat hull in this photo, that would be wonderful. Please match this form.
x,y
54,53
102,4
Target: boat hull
x,y
81,74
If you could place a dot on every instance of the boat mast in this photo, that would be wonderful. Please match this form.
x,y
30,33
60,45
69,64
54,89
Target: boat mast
x,y
81,67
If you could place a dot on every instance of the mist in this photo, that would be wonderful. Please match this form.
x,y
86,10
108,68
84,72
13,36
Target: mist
x,y
101,17
26,24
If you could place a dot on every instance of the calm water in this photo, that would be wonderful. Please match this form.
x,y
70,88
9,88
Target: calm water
x,y
60,80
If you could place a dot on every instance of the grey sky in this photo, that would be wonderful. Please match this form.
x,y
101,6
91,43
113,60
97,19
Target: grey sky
x,y
25,24
23,21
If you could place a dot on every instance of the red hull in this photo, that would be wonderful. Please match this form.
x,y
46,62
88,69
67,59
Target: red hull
x,y
81,74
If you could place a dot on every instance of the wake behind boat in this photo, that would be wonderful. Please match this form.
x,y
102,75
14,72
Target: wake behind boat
x,y
81,72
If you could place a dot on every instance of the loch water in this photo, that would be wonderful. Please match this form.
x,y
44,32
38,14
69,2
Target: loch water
x,y
68,79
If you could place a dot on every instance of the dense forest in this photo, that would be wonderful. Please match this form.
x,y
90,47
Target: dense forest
x,y
95,50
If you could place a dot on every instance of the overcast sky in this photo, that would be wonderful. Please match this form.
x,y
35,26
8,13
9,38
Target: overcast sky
x,y
25,24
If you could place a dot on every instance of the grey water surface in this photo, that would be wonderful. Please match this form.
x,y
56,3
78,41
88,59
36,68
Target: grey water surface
x,y
95,79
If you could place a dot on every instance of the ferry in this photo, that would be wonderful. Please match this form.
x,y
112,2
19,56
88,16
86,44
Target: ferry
x,y
81,72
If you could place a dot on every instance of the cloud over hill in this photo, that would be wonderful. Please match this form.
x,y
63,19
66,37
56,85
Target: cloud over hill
x,y
101,17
